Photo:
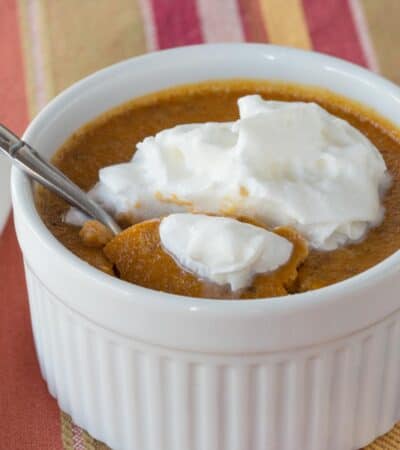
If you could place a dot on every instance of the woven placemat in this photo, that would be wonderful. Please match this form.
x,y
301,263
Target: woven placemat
x,y
75,438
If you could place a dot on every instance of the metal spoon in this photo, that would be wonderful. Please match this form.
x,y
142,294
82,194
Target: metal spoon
x,y
29,160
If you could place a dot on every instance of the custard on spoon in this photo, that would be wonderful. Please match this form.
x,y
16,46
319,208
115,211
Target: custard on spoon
x,y
139,257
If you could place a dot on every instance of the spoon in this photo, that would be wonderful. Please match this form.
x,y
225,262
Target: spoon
x,y
30,161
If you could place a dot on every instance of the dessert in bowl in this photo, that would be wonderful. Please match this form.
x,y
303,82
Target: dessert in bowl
x,y
281,163
174,371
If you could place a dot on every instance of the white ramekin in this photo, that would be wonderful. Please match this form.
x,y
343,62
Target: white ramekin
x,y
144,370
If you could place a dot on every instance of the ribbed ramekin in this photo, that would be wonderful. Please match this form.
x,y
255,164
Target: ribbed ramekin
x,y
144,370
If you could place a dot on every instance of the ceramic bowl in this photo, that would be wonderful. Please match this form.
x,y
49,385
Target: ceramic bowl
x,y
146,370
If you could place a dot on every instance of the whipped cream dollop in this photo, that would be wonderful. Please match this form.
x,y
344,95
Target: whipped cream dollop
x,y
281,163
221,249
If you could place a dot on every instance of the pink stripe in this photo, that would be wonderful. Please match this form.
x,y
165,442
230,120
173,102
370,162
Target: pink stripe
x,y
220,20
253,24
332,29
363,33
77,438
177,23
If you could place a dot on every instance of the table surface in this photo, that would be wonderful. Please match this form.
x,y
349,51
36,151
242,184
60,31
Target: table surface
x,y
46,45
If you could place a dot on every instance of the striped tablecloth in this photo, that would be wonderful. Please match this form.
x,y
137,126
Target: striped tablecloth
x,y
45,45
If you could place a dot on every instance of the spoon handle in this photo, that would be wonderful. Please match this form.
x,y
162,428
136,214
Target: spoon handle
x,y
30,161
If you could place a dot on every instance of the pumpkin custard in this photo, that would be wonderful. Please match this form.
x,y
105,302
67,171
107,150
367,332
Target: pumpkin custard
x,y
311,204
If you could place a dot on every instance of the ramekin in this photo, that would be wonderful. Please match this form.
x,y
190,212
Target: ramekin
x,y
145,370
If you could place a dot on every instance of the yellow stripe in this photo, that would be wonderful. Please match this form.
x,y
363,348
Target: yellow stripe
x,y
285,23
67,436
88,35
71,39
66,431
383,24
389,441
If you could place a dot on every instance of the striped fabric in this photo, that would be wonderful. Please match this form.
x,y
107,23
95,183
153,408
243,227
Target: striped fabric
x,y
46,45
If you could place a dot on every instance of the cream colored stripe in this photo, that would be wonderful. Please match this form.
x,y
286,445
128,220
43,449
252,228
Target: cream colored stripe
x,y
88,35
149,25
37,66
66,431
389,441
37,51
363,34
383,18
286,23
220,21
75,438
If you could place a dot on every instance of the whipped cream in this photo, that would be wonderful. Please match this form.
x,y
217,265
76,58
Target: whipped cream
x,y
281,163
222,250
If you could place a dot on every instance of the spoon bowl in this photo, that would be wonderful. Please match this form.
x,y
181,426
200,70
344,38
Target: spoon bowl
x,y
30,161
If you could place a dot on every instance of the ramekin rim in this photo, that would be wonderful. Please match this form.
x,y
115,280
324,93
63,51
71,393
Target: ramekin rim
x,y
23,195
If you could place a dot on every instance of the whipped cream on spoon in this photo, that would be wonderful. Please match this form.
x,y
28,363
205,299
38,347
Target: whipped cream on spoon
x,y
223,250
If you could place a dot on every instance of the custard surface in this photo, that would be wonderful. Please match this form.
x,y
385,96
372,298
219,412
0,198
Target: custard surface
x,y
112,137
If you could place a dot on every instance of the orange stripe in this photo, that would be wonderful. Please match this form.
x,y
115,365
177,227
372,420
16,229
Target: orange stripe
x,y
28,415
286,23
13,107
